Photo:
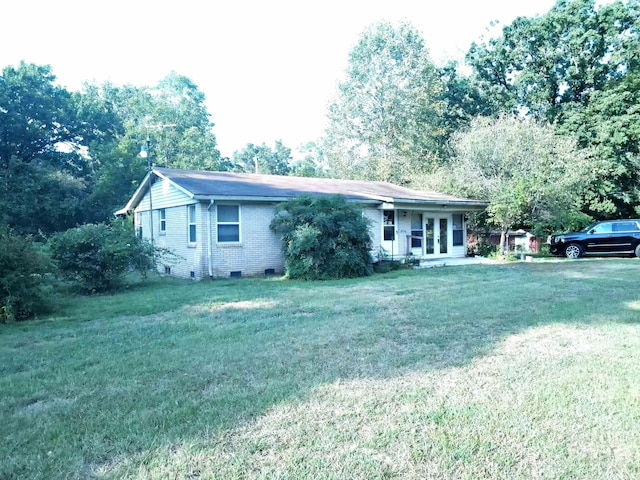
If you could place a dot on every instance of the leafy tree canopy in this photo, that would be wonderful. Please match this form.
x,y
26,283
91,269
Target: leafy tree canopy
x,y
576,67
530,175
263,159
386,120
542,63
45,168
70,158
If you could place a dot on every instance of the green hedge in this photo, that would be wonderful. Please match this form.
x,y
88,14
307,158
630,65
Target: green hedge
x,y
324,238
25,270
98,256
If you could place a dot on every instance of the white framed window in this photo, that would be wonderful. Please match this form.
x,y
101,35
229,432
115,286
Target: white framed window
x,y
163,221
389,225
192,231
228,223
458,230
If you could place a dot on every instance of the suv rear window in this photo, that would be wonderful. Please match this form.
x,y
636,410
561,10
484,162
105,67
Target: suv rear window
x,y
625,227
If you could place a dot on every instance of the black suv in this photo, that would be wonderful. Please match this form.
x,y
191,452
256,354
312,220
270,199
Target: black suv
x,y
611,237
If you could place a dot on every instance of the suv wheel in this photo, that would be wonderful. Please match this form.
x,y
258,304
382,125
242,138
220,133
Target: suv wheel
x,y
637,251
574,251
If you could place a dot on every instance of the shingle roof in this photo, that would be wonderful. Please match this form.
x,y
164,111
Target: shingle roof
x,y
246,185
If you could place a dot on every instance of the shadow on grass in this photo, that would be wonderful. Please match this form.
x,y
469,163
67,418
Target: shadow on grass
x,y
176,361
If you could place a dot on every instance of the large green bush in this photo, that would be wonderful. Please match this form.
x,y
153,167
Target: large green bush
x,y
24,277
98,256
324,238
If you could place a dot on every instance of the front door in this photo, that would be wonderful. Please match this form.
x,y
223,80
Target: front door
x,y
436,236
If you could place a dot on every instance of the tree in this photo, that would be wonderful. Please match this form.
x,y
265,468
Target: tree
x,y
610,126
262,159
312,164
530,175
385,123
323,237
576,66
463,99
172,114
44,167
541,64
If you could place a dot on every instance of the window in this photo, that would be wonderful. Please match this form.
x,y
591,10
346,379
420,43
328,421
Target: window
x,y
444,237
163,221
389,228
192,223
625,227
228,223
458,231
416,230
602,228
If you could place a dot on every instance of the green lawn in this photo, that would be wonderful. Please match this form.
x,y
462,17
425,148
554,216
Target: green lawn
x,y
521,370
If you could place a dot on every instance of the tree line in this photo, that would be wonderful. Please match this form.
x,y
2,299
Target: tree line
x,y
544,123
68,158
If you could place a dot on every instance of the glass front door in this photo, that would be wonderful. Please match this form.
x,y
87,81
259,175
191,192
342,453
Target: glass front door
x,y
436,236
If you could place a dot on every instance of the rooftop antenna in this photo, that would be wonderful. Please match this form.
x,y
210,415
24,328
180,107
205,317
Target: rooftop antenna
x,y
145,152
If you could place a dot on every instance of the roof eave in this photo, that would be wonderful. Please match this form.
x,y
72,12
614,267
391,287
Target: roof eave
x,y
266,199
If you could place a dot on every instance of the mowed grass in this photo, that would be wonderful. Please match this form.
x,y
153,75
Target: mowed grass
x,y
523,370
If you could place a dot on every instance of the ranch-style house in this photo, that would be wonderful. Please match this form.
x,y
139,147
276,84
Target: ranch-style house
x,y
217,223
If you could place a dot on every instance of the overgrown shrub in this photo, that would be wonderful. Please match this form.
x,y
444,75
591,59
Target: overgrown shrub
x,y
24,277
324,238
98,256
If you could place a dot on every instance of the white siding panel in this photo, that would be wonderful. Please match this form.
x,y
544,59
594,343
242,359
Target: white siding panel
x,y
164,195
374,216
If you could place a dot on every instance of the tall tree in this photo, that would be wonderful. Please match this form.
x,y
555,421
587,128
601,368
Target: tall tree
x,y
44,165
610,126
576,66
386,120
263,159
463,99
68,158
542,63
313,162
174,118
531,176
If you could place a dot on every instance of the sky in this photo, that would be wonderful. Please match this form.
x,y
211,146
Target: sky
x,y
268,68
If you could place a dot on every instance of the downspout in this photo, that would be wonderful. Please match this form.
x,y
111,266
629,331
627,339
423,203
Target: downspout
x,y
209,246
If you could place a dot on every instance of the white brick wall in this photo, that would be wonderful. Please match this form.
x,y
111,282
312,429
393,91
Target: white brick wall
x,y
259,247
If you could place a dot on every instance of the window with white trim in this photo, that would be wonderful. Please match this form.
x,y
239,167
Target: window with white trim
x,y
192,236
163,221
458,230
389,225
228,223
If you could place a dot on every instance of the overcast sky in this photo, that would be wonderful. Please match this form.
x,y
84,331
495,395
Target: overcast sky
x,y
267,68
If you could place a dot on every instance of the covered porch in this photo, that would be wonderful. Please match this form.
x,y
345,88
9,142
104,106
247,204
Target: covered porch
x,y
425,234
